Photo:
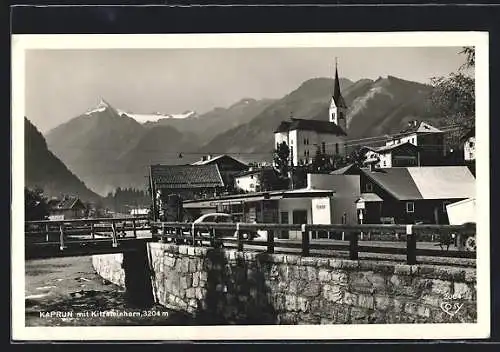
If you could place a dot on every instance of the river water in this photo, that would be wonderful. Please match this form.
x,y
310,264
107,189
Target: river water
x,y
68,292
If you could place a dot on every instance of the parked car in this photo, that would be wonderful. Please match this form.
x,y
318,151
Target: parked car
x,y
220,218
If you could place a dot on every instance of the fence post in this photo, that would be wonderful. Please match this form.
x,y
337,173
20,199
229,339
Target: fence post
x,y
135,228
239,236
411,246
61,237
305,241
193,234
92,231
270,241
162,234
47,238
460,242
113,228
353,245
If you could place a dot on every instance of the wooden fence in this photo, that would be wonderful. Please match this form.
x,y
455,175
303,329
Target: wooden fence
x,y
222,234
83,230
234,235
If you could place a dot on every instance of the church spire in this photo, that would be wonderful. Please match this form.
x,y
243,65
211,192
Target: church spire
x,y
337,96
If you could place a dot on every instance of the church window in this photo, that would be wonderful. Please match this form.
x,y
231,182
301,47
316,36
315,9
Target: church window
x,y
323,147
336,148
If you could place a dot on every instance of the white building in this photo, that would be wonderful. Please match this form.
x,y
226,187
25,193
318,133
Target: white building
x,y
305,136
470,146
396,155
462,212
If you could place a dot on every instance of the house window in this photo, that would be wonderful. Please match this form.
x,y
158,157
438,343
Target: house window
x,y
252,185
305,141
323,147
251,176
471,144
305,153
333,116
410,207
385,164
336,148
369,187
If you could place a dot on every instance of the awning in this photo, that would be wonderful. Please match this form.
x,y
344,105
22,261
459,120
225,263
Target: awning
x,y
369,197
214,202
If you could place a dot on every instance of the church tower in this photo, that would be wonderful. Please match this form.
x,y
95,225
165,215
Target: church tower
x,y
338,107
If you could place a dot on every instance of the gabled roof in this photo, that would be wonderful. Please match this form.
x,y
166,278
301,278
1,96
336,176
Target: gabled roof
x,y
420,127
217,158
319,126
186,176
388,148
431,182
66,203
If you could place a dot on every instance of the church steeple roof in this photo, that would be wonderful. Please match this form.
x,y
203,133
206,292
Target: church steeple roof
x,y
337,95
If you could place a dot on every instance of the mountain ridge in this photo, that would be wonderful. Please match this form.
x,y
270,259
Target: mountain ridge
x,y
44,170
120,148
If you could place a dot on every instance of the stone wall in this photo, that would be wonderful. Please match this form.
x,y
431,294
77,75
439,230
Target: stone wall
x,y
109,267
228,287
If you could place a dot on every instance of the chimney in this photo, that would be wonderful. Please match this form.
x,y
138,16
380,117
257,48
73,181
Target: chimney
x,y
204,158
209,156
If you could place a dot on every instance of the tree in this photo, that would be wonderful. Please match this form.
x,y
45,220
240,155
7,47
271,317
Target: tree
x,y
35,205
454,98
281,159
319,162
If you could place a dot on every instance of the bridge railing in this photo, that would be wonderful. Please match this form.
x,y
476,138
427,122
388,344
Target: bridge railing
x,y
239,235
81,230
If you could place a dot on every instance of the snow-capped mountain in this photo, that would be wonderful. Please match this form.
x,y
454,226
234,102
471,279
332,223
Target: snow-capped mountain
x,y
143,118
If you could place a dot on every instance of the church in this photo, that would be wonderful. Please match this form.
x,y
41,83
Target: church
x,y
304,136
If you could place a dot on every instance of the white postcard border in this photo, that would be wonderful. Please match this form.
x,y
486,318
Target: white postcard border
x,y
21,43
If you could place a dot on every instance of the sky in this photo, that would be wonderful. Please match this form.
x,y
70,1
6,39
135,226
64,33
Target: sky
x,y
62,84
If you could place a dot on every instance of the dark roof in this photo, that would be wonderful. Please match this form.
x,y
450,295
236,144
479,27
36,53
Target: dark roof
x,y
186,176
387,148
319,126
67,203
396,181
470,133
220,158
337,96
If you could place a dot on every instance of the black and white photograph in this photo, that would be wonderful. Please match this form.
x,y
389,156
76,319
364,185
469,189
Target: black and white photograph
x,y
247,185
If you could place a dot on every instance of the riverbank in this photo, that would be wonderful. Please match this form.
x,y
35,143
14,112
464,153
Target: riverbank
x,y
68,292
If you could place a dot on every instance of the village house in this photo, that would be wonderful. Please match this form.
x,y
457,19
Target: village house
x,y
173,183
396,155
228,166
256,179
408,195
429,138
305,136
66,209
